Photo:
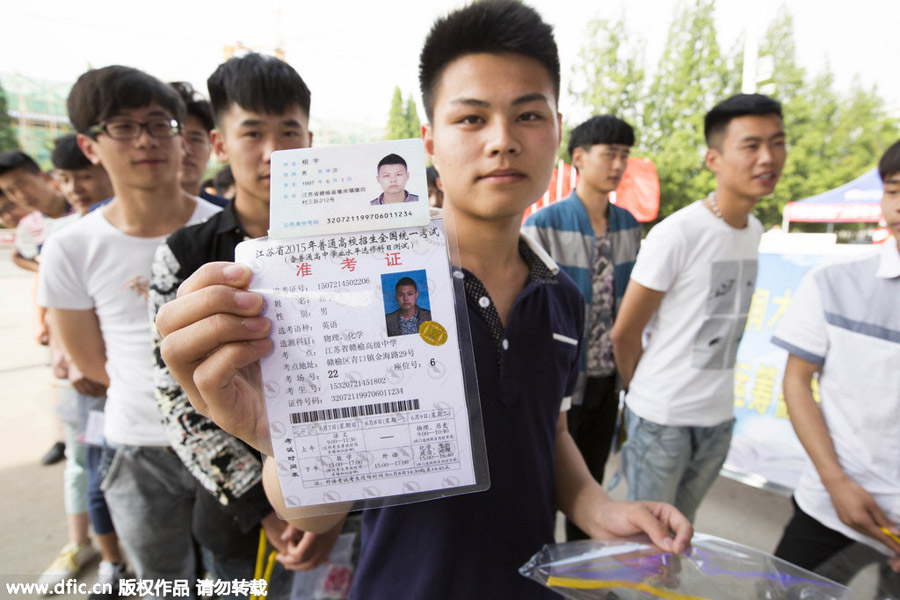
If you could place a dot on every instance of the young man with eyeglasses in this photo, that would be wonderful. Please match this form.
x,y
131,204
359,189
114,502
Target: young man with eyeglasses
x,y
94,279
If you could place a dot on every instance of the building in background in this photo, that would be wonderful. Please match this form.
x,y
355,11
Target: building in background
x,y
37,109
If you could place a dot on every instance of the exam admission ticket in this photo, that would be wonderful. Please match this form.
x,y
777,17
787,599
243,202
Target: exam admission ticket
x,y
365,390
339,189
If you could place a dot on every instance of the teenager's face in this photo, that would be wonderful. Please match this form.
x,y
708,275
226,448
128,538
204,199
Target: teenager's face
x,y
890,204
393,178
11,213
246,140
84,187
145,162
494,134
602,165
751,156
32,191
407,296
196,151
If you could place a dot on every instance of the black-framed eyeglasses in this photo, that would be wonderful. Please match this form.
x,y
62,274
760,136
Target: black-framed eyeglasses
x,y
127,129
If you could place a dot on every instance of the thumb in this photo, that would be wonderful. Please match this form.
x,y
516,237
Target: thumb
x,y
288,533
659,534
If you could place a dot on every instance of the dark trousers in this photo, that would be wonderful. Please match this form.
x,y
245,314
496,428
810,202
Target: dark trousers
x,y
592,425
97,509
813,546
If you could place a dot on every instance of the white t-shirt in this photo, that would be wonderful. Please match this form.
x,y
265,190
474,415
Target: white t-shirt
x,y
34,229
93,265
707,269
844,317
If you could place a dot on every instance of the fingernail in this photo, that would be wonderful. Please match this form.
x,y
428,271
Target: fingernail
x,y
233,272
262,344
246,299
256,325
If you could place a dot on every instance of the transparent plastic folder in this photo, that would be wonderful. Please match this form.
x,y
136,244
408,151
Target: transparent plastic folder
x,y
364,410
711,569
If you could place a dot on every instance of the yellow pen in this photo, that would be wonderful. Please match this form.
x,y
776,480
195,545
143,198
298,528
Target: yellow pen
x,y
890,534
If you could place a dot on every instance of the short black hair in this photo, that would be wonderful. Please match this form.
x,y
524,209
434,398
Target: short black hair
x,y
432,175
486,26
391,159
601,129
223,180
890,161
67,155
16,159
406,281
741,105
196,106
262,84
101,93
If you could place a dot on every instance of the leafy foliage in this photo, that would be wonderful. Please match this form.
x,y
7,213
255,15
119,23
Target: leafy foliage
x,y
8,139
403,121
833,137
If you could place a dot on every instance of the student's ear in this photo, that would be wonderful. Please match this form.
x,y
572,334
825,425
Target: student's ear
x,y
577,157
558,129
52,182
428,138
217,140
712,159
310,134
88,147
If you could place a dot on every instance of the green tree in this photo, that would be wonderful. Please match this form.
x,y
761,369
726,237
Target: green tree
x,y
411,114
806,108
396,125
610,71
8,139
608,77
832,140
691,77
403,121
862,132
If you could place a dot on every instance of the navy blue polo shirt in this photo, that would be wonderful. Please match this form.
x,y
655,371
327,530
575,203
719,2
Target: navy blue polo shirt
x,y
213,199
471,546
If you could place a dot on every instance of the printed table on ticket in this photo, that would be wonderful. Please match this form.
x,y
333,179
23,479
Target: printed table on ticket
x,y
365,389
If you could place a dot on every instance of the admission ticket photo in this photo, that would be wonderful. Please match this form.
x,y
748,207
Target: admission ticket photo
x,y
337,189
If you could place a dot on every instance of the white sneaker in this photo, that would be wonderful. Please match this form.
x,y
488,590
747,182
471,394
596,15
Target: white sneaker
x,y
108,574
68,563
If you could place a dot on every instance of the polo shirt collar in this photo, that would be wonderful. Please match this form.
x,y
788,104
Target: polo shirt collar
x,y
541,268
889,262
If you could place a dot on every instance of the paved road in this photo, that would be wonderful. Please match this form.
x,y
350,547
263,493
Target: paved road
x,y
32,521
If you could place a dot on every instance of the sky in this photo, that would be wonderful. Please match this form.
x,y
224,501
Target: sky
x,y
353,53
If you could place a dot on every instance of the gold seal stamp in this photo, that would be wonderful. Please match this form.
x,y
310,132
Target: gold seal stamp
x,y
433,333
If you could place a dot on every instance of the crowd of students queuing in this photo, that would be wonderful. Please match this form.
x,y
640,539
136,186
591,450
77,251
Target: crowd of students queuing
x,y
150,323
